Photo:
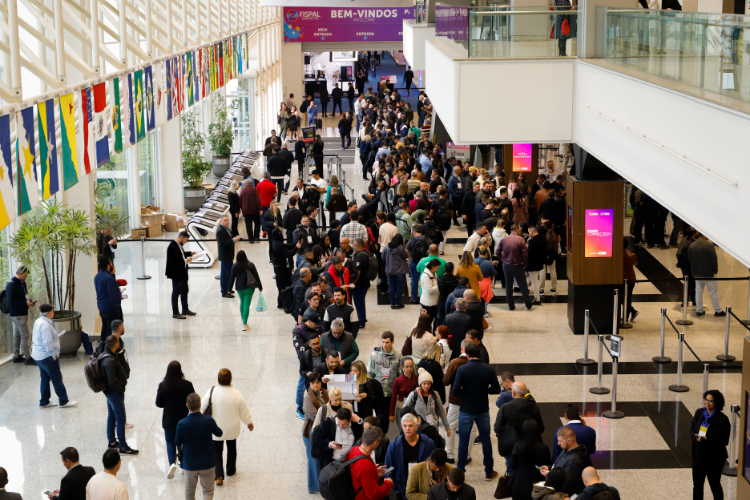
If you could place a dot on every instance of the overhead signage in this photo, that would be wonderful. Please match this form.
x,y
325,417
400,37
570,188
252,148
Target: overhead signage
x,y
343,4
598,225
452,22
325,24
522,157
458,151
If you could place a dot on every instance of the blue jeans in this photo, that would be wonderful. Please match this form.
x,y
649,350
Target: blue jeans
x,y
116,414
396,288
226,270
311,120
49,369
171,448
300,392
358,297
465,423
414,280
313,467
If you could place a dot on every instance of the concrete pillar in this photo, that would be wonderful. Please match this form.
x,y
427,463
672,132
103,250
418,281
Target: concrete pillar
x,y
171,167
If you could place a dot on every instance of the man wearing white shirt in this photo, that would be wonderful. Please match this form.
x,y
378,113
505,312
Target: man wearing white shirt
x,y
105,485
46,353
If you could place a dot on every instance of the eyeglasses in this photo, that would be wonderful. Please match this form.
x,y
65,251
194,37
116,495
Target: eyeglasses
x,y
708,401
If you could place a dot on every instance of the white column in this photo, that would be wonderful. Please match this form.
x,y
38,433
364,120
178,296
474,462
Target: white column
x,y
15,56
60,43
171,167
134,185
170,48
149,29
123,34
184,23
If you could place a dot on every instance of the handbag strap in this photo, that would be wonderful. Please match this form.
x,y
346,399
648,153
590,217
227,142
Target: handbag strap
x,y
211,395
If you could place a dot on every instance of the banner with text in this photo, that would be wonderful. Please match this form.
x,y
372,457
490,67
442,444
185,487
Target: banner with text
x,y
452,22
321,24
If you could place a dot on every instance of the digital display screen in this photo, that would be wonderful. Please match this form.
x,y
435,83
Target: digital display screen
x,y
598,226
522,157
570,229
746,441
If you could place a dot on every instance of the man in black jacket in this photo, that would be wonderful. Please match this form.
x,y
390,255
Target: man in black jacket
x,y
335,437
73,484
573,459
105,243
459,323
453,489
292,218
225,244
18,299
118,330
520,409
340,309
475,310
278,167
331,366
468,205
177,271
305,276
350,96
336,95
115,381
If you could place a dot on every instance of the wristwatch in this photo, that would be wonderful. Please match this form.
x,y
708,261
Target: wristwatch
x,y
360,421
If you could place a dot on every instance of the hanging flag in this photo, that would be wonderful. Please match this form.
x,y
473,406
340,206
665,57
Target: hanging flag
x,y
26,187
158,94
47,147
87,122
220,69
189,78
196,76
68,140
138,105
116,125
100,119
131,136
230,57
202,72
175,86
212,66
148,98
168,89
7,198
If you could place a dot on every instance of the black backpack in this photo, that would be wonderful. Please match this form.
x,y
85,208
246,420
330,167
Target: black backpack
x,y
372,270
335,479
443,215
314,434
4,302
420,250
93,373
433,232
286,296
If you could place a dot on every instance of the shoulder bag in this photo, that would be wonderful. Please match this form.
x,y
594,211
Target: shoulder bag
x,y
209,409
503,487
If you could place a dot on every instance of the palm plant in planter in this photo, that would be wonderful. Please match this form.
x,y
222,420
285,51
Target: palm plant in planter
x,y
220,133
52,240
108,215
194,165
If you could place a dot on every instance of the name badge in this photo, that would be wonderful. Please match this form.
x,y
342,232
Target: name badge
x,y
411,464
459,185
309,239
429,419
702,431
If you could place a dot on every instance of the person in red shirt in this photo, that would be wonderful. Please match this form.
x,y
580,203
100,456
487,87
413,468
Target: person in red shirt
x,y
402,387
365,473
250,206
267,192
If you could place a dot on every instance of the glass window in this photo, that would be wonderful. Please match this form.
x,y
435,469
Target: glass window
x,y
114,177
6,329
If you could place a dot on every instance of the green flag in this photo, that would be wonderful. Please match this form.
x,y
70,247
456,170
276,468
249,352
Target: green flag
x,y
116,124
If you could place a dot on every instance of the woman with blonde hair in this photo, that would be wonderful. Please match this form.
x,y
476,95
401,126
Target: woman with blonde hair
x,y
334,404
230,411
369,390
470,270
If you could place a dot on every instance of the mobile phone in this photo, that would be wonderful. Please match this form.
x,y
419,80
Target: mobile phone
x,y
337,444
539,468
47,492
388,470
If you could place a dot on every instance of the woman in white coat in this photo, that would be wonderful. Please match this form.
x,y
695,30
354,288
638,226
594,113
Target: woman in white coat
x,y
430,293
229,410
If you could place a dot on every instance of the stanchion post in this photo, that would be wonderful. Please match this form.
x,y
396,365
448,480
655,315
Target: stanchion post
x,y
705,378
726,356
615,311
624,323
678,387
731,469
586,325
747,321
613,413
661,358
599,389
143,275
684,320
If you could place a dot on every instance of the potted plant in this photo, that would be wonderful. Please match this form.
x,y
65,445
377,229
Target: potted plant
x,y
194,165
51,240
220,134
108,215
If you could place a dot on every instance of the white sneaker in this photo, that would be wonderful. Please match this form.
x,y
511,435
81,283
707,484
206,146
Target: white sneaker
x,y
487,314
128,425
49,405
172,470
245,328
488,329
70,404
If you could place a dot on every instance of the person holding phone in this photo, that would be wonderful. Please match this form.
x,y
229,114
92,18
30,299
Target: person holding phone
x,y
365,473
17,295
46,353
336,437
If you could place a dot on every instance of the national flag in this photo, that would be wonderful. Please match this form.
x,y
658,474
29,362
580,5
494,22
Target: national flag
x,y
202,74
68,140
7,198
212,66
47,147
148,95
87,126
222,75
196,76
100,121
138,105
168,89
132,135
176,88
26,187
230,58
116,123
158,92
189,78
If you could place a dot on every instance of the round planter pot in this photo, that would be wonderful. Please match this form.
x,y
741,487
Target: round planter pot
x,y
194,198
70,321
221,165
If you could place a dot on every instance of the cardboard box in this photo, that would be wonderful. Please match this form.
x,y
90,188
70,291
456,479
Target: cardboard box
x,y
175,222
152,221
154,231
138,233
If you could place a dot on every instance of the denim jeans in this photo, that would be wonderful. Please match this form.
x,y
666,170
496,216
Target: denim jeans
x,y
396,288
116,415
49,369
465,423
300,392
226,270
453,413
414,280
171,448
358,298
313,467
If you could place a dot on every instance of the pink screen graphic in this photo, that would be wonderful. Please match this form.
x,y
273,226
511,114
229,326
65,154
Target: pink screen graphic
x,y
522,157
599,224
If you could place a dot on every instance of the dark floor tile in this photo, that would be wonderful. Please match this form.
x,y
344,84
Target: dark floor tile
x,y
624,368
661,277
521,369
638,459
681,445
668,416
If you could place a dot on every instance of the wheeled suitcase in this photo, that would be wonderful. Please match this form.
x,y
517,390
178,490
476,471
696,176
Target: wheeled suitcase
x,y
318,123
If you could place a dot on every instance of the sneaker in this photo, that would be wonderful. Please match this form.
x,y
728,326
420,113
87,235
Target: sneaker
x,y
172,470
393,307
511,308
487,314
529,304
468,461
720,313
553,291
128,451
633,315
128,425
488,328
541,292
179,316
400,306
29,361
18,359
227,295
70,404
478,440
188,312
300,415
450,461
700,313
492,476
113,444
48,405
245,328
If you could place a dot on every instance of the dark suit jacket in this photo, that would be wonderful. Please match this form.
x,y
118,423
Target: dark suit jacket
x,y
7,495
459,323
440,492
323,370
225,243
176,265
194,433
73,484
173,401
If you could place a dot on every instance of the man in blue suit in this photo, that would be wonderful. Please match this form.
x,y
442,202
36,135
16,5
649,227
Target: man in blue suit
x,y
194,433
417,446
585,435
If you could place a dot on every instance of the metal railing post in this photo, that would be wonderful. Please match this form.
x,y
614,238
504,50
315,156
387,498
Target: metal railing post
x,y
616,310
599,389
747,321
143,275
624,323
726,356
731,469
678,387
705,378
684,320
613,413
586,325
661,358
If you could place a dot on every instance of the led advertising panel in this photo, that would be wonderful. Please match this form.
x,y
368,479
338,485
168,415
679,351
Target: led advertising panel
x,y
522,157
598,226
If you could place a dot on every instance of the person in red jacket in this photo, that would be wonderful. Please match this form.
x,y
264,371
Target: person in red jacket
x,y
339,275
365,474
402,387
267,192
250,205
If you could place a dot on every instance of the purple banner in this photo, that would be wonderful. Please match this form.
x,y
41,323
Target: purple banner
x,y
324,24
452,22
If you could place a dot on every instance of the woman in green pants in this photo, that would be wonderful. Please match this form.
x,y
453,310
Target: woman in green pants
x,y
244,277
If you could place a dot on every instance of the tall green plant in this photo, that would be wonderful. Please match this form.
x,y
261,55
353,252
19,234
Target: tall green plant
x,y
52,239
108,215
194,165
220,132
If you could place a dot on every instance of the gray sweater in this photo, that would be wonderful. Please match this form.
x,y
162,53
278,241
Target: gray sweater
x,y
702,257
434,407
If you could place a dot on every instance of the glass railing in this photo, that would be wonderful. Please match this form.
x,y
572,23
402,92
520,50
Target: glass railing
x,y
697,49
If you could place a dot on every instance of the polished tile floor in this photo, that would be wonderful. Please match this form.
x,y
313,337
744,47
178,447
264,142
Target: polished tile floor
x,y
271,462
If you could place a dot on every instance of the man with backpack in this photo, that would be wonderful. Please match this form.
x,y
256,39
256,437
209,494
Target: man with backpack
x,y
115,380
16,303
46,353
417,248
365,265
364,473
442,213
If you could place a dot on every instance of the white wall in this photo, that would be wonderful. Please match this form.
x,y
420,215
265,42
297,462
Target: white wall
x,y
292,71
414,43
172,197
442,87
709,135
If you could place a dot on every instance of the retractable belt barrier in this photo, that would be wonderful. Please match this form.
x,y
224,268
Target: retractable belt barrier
x,y
679,387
